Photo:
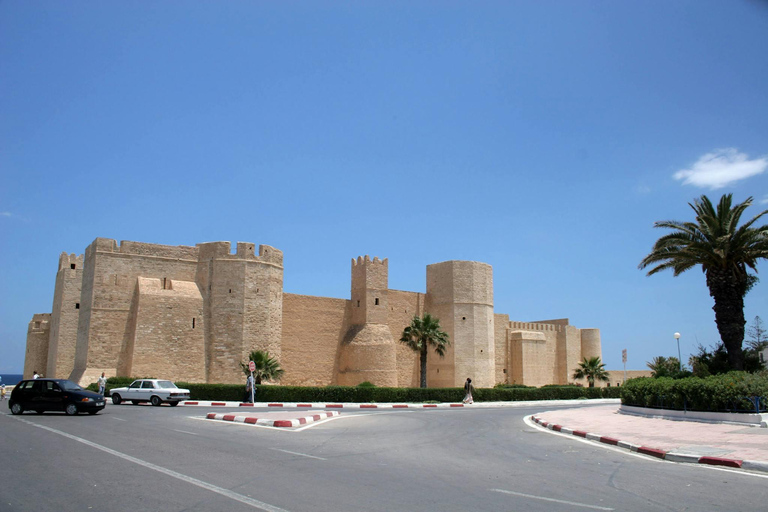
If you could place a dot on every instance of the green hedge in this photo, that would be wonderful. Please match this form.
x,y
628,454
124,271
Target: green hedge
x,y
364,394
230,392
728,392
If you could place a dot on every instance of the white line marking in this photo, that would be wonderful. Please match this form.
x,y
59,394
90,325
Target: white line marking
x,y
184,478
185,432
119,419
575,504
297,453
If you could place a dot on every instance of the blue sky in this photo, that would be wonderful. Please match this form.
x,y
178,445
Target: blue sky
x,y
544,138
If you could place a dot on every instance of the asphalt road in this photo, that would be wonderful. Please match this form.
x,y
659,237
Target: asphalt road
x,y
142,458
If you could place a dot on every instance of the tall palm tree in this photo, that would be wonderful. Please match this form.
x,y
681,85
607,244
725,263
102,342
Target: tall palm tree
x,y
422,333
591,369
725,252
267,367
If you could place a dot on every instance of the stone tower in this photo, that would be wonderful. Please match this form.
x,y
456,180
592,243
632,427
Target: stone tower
x,y
460,295
368,351
242,307
65,316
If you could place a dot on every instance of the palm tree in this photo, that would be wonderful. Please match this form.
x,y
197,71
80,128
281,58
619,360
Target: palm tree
x,y
725,252
591,369
661,366
267,367
422,333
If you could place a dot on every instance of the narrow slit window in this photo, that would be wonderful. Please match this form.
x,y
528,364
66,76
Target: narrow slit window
x,y
193,323
377,302
77,305
358,303
72,266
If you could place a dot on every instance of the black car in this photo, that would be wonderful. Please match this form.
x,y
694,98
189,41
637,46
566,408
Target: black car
x,y
41,395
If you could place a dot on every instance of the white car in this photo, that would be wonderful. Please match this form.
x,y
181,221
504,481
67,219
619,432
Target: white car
x,y
154,391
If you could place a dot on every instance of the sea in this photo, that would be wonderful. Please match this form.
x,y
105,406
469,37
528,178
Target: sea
x,y
11,379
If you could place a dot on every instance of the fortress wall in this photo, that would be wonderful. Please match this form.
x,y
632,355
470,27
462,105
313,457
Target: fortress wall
x,y
65,316
574,354
402,308
312,330
501,351
109,281
168,338
533,357
38,334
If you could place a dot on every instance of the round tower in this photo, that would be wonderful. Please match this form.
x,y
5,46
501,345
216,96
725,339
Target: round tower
x,y
368,350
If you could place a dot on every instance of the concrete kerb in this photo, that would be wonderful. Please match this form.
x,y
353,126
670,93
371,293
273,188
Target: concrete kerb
x,y
349,405
661,454
266,422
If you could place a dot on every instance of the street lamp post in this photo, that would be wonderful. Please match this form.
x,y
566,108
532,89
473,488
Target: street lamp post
x,y
679,358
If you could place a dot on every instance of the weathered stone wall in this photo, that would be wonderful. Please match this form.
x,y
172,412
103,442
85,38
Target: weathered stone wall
x,y
168,334
65,316
503,370
403,306
312,329
38,333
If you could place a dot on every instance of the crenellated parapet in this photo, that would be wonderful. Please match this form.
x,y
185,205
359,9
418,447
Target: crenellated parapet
x,y
526,326
70,261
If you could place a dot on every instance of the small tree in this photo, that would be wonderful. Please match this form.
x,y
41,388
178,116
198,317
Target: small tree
x,y
422,333
758,337
591,369
267,367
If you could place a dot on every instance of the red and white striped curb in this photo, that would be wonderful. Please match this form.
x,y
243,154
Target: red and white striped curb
x,y
320,405
265,422
653,452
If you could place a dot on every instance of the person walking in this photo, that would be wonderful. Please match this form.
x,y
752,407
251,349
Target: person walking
x,y
248,389
2,389
102,384
35,375
468,389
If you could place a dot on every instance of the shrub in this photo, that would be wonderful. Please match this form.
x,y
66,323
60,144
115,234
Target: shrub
x,y
728,392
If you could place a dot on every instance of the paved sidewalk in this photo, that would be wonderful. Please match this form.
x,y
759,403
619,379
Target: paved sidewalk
x,y
674,440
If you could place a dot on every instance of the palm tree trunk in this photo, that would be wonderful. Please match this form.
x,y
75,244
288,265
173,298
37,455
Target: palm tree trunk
x,y
728,292
423,361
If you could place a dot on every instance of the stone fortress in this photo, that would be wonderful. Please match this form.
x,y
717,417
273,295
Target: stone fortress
x,y
194,313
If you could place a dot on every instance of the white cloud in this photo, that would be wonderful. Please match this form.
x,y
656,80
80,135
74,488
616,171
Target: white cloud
x,y
720,168
6,214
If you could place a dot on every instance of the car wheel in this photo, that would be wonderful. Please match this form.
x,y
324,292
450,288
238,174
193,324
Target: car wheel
x,y
70,409
116,399
16,408
156,401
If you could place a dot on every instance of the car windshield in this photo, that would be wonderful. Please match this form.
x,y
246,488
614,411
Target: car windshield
x,y
166,384
68,385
